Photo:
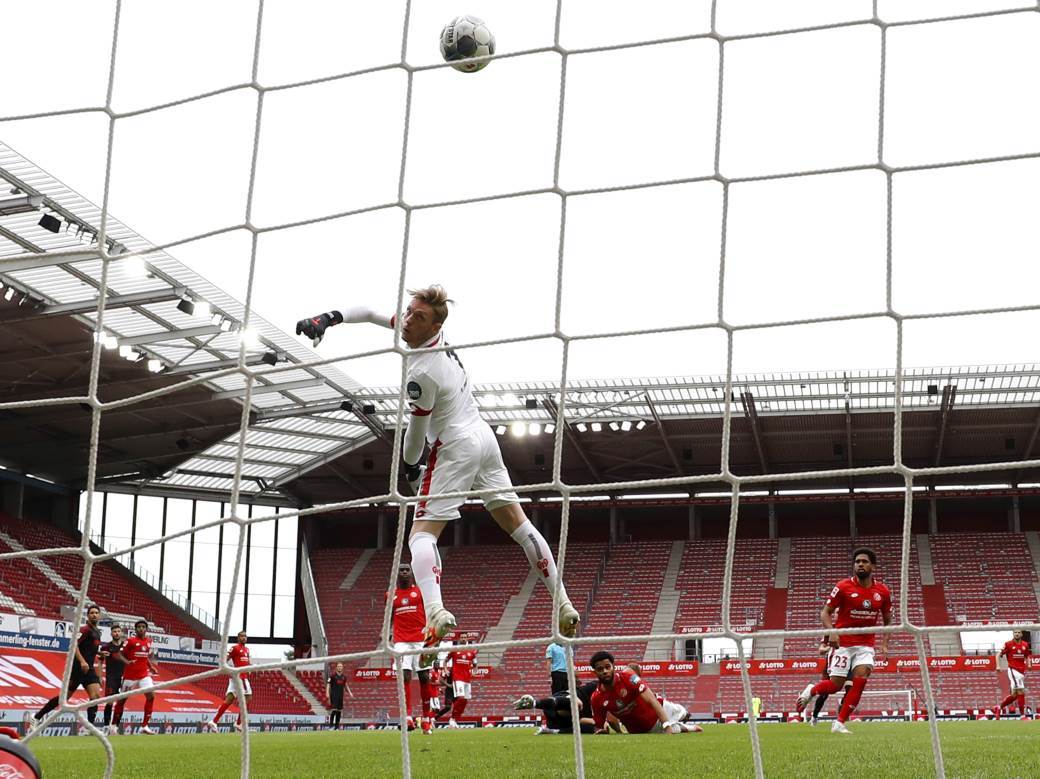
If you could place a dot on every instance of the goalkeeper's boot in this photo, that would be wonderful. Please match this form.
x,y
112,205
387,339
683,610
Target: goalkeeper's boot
x,y
439,623
804,699
839,727
524,702
569,619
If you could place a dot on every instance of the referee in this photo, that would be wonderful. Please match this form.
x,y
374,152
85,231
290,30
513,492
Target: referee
x,y
113,670
83,672
556,665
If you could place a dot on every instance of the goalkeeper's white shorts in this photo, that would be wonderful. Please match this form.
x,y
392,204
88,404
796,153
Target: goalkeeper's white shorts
x,y
469,460
1016,679
845,658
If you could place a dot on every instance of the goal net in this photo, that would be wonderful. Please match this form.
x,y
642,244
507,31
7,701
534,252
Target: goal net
x,y
731,179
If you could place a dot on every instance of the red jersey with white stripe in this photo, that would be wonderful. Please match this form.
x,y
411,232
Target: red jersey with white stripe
x,y
409,617
624,700
437,386
1017,654
858,607
137,651
239,656
462,663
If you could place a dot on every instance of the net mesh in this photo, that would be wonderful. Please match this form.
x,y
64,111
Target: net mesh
x,y
557,484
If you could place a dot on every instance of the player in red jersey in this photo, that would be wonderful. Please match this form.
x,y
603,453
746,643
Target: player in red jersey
x,y
409,632
1017,652
463,661
137,654
858,601
238,656
624,696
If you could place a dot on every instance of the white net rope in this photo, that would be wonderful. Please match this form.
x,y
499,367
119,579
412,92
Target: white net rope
x,y
566,491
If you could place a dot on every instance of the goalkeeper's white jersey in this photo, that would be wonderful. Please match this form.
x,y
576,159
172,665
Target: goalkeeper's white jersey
x,y
437,385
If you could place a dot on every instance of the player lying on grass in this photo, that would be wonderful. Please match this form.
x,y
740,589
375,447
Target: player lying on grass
x,y
464,452
622,694
556,710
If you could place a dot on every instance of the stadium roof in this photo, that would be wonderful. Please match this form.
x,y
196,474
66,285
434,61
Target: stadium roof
x,y
305,446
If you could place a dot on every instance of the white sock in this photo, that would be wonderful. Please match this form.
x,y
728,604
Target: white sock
x,y
426,566
539,555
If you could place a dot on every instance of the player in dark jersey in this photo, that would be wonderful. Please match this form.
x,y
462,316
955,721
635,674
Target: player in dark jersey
x,y
826,652
556,710
334,689
448,686
113,670
83,671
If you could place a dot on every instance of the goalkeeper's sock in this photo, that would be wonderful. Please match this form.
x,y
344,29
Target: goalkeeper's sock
x,y
426,565
539,555
118,717
818,706
852,698
826,687
1022,704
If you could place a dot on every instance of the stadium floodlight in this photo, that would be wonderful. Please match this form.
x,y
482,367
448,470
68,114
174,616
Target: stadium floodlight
x,y
597,427
640,424
50,223
500,429
9,294
582,427
126,351
216,319
186,306
133,267
155,366
20,204
530,403
518,429
614,426
626,426
249,338
225,325
549,429
534,429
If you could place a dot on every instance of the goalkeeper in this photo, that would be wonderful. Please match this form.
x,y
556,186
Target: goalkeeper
x,y
464,453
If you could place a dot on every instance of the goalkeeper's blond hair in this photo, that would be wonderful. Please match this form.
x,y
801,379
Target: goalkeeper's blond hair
x,y
436,298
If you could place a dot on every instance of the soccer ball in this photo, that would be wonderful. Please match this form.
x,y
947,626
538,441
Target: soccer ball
x,y
464,37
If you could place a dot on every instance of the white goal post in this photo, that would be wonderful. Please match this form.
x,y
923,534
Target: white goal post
x,y
891,703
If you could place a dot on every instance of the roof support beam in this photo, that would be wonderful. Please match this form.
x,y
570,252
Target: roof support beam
x,y
168,335
89,306
267,389
554,412
664,437
949,396
747,400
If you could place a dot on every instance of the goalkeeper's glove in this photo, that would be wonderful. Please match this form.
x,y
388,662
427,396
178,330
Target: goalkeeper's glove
x,y
413,474
314,327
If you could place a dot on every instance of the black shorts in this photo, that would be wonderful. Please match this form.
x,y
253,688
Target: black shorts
x,y
113,686
78,677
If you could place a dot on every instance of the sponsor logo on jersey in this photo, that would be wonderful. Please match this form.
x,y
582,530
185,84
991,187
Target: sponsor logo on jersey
x,y
404,601
414,390
866,605
877,596
623,692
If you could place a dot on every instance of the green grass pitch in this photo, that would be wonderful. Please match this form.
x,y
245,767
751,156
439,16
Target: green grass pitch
x,y
886,750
